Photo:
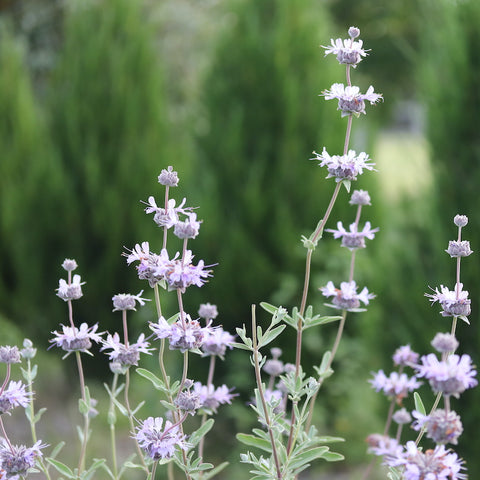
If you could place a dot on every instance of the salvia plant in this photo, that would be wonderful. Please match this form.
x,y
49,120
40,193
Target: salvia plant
x,y
286,441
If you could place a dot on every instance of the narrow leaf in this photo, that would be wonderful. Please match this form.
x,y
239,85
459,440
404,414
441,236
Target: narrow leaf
x,y
300,459
269,308
57,449
157,382
332,457
212,473
253,441
315,321
196,436
419,404
62,468
271,335
39,414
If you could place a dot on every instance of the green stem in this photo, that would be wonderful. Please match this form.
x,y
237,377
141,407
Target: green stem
x,y
111,412
130,419
86,417
211,370
262,396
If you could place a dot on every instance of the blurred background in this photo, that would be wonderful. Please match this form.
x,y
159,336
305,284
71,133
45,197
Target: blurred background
x,y
97,96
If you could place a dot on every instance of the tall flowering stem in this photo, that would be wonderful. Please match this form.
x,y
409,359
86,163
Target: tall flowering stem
x,y
447,373
306,284
344,169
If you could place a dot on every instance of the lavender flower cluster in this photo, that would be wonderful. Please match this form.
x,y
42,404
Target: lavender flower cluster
x,y
448,375
161,439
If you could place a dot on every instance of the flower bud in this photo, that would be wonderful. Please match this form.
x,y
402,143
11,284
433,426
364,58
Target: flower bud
x,y
207,311
276,352
444,342
353,32
402,416
460,220
360,197
459,248
188,401
169,177
28,351
69,265
273,367
9,354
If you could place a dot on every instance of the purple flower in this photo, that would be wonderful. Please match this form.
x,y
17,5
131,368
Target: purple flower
x,y
273,367
126,301
350,100
441,426
353,239
437,464
346,298
401,417
76,339
70,291
360,197
207,311
187,228
459,248
216,342
384,446
15,395
405,356
10,354
211,398
348,52
17,460
444,342
150,264
451,376
454,302
160,440
344,167
460,221
188,401
182,273
182,335
165,217
168,177
69,265
396,385
123,356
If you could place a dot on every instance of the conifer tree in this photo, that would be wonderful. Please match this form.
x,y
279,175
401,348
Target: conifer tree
x,y
31,192
108,121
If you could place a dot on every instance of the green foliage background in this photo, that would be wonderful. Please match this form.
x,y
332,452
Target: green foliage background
x,y
228,94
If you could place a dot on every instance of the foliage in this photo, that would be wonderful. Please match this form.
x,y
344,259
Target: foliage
x,y
32,191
